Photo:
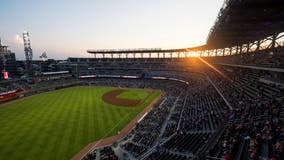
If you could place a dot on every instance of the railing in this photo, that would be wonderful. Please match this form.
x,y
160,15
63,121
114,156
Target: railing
x,y
122,50
213,140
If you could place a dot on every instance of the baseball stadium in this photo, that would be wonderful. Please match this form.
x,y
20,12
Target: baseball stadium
x,y
223,100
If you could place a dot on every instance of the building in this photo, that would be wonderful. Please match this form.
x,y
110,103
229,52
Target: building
x,y
7,60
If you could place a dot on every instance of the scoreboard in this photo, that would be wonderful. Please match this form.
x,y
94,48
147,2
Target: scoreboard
x,y
5,75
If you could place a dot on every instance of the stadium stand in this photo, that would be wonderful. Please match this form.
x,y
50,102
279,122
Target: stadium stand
x,y
270,58
232,115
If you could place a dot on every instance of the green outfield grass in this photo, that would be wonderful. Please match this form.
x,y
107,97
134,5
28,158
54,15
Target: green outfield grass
x,y
56,125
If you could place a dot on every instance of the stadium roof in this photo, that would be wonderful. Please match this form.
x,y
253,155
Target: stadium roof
x,y
146,50
243,21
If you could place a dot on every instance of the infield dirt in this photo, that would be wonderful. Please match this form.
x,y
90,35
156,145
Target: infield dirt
x,y
112,98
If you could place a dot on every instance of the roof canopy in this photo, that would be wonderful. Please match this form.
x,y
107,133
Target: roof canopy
x,y
244,21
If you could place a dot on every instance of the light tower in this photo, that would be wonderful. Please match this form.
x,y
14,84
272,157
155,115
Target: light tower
x,y
28,49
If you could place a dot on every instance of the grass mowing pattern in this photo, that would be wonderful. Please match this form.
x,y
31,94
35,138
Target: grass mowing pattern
x,y
58,124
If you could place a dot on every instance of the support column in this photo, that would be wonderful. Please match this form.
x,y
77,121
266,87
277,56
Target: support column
x,y
273,41
248,48
241,49
224,49
257,45
237,49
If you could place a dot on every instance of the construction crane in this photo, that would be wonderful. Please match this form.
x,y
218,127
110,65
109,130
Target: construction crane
x,y
28,49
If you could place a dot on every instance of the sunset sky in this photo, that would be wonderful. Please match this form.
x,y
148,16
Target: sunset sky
x,y
67,28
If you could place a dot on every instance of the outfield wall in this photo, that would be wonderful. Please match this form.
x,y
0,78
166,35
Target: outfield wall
x,y
8,95
135,77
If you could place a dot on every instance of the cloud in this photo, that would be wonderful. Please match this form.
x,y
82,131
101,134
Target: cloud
x,y
18,40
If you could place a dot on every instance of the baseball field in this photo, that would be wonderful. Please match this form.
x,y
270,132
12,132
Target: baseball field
x,y
56,125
